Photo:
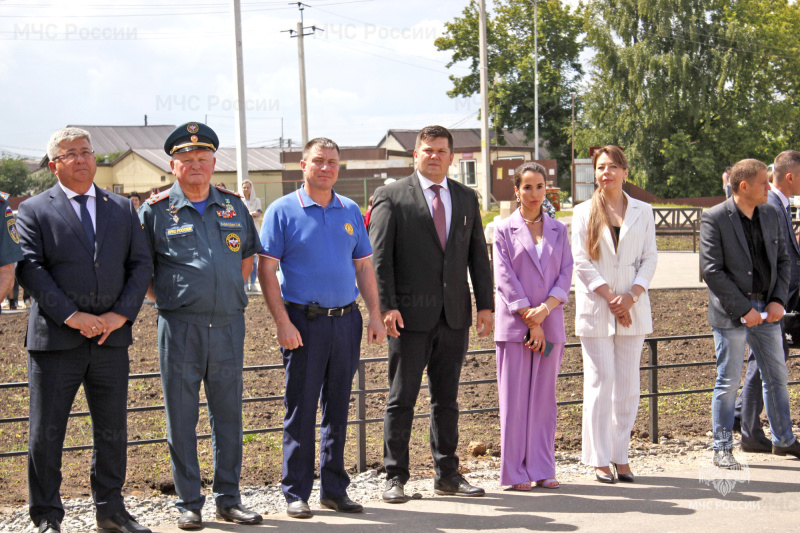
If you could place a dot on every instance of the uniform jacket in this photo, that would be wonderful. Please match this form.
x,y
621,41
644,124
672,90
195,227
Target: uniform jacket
x,y
64,274
198,258
523,279
417,277
792,248
728,268
633,263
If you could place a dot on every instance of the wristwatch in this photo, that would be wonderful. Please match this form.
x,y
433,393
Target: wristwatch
x,y
633,296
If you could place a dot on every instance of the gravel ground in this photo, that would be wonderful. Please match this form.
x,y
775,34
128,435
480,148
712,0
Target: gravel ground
x,y
647,459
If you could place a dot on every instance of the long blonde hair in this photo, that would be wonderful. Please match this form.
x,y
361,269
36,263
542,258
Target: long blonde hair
x,y
598,217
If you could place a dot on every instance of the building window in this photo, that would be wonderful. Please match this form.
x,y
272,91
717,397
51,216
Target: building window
x,y
163,178
119,188
468,172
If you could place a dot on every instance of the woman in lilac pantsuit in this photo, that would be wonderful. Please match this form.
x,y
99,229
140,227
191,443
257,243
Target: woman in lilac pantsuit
x,y
533,271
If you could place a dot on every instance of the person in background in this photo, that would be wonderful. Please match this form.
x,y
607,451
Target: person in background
x,y
533,273
614,244
135,200
368,213
744,261
253,203
726,182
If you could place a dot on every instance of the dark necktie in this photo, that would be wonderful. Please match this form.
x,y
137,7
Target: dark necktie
x,y
86,218
439,218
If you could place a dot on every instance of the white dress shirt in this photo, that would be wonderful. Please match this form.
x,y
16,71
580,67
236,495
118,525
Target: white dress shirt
x,y
91,203
781,196
444,195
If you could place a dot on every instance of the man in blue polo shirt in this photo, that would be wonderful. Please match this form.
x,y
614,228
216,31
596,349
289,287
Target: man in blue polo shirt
x,y
315,251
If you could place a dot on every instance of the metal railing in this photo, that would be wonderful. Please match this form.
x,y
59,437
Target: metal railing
x,y
360,392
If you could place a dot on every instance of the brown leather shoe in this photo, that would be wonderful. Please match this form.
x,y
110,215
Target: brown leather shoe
x,y
792,449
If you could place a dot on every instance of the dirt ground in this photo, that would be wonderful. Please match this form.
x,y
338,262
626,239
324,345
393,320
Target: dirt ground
x,y
675,313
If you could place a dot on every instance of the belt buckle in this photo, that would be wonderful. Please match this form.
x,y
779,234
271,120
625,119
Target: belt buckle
x,y
336,312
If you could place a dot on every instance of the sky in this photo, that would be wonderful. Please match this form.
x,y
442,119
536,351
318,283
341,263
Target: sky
x,y
93,62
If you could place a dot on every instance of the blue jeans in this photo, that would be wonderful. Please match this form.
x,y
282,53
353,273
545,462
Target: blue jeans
x,y
766,342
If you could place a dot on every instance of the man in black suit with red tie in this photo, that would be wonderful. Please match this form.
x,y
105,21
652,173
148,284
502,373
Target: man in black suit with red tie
x,y
87,266
426,233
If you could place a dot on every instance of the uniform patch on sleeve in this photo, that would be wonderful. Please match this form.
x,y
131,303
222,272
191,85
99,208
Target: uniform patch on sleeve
x,y
11,223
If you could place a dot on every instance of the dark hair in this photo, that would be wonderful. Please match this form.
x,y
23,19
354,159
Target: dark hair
x,y
784,163
136,194
428,133
530,166
321,142
745,170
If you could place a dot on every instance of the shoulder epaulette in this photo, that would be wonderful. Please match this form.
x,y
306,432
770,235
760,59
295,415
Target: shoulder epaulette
x,y
157,198
227,191
4,196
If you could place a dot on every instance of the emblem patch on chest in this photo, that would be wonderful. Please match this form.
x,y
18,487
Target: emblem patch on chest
x,y
233,242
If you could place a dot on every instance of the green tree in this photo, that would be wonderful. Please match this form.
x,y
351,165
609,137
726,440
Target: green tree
x,y
688,87
510,39
41,180
13,176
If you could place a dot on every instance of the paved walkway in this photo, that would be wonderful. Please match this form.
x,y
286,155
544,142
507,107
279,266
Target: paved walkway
x,y
762,498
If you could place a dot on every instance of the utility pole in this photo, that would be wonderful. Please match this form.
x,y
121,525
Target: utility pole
x,y
536,75
239,116
300,33
484,185
572,153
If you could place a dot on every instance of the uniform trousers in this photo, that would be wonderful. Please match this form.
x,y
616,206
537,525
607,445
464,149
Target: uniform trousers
x,y
442,350
321,370
610,396
189,355
54,378
526,382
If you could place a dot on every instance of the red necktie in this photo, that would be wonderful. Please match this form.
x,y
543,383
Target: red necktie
x,y
439,218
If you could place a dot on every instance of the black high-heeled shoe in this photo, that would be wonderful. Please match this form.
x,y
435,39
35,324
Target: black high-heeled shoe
x,y
604,478
625,478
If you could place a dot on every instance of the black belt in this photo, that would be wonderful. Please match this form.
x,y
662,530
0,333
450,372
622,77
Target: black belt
x,y
760,296
313,310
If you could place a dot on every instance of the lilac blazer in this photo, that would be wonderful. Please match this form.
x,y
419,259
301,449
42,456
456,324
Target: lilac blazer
x,y
523,279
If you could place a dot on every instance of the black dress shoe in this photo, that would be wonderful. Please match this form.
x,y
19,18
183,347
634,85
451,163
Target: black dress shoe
x,y
238,514
759,446
394,491
456,486
298,509
50,525
725,459
792,449
625,478
603,477
121,522
342,504
190,519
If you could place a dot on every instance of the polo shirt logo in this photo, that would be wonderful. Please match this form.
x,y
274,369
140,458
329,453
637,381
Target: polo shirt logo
x,y
348,228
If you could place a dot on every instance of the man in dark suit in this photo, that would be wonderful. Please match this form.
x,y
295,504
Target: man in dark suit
x,y
745,265
785,184
87,266
426,232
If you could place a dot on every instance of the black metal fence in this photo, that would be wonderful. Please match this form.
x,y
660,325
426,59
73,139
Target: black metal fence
x,y
360,392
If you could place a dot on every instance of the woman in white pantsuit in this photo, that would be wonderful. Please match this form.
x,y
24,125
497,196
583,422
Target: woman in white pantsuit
x,y
614,245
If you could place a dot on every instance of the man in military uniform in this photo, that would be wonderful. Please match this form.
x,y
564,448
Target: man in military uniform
x,y
9,248
203,240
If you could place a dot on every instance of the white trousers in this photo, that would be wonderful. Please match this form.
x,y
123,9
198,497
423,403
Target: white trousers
x,y
610,396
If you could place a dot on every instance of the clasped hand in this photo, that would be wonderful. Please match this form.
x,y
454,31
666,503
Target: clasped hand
x,y
93,325
620,306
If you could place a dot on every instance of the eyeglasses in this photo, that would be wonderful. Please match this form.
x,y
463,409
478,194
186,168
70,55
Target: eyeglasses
x,y
69,157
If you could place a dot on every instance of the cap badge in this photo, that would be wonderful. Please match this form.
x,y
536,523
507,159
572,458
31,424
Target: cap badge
x,y
194,138
192,127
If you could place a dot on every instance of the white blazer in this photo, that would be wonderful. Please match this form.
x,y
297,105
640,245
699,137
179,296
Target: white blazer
x,y
634,263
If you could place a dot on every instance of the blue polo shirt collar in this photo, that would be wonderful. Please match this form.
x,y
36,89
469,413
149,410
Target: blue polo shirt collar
x,y
306,201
